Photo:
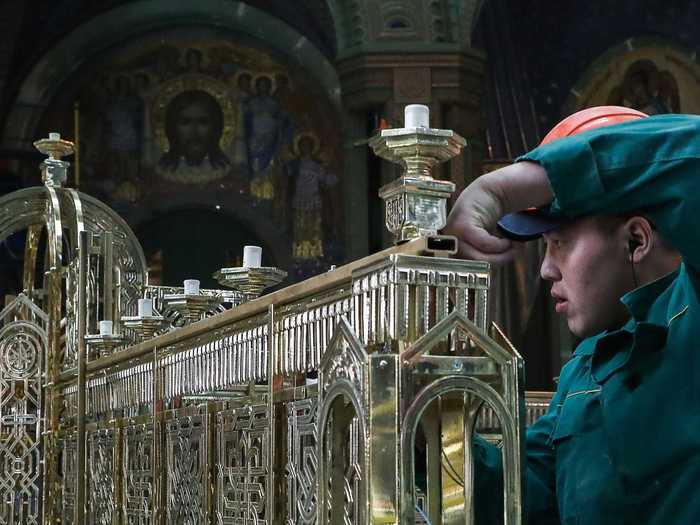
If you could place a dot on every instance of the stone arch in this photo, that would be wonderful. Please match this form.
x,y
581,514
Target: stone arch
x,y
235,208
129,20
350,19
609,69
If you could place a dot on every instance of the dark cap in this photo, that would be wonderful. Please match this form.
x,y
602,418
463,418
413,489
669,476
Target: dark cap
x,y
529,224
532,223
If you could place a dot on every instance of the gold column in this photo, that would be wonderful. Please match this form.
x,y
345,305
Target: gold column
x,y
384,413
84,247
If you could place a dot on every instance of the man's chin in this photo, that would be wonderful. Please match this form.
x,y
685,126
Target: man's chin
x,y
576,327
580,330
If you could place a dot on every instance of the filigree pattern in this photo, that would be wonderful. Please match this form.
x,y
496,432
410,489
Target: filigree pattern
x,y
395,213
345,359
22,345
302,461
100,489
186,450
20,349
353,474
242,460
138,476
69,466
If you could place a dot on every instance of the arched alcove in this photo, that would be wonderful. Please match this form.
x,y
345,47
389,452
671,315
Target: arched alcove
x,y
121,24
653,75
214,106
342,456
192,243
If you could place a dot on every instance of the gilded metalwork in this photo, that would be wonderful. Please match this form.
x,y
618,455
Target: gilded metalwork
x,y
138,475
54,171
250,281
416,204
191,308
243,459
185,457
23,343
342,442
302,461
101,450
102,345
68,449
299,407
145,327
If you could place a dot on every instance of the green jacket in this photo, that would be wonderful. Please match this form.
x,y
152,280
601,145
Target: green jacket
x,y
620,443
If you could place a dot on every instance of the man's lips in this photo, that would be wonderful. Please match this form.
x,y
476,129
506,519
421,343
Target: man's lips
x,y
560,303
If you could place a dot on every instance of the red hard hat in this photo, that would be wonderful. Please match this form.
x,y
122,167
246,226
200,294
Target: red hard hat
x,y
591,118
530,224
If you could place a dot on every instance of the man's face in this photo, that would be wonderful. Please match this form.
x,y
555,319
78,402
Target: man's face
x,y
590,270
194,133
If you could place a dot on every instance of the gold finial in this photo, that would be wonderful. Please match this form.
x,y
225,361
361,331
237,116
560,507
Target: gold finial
x,y
54,171
55,147
416,204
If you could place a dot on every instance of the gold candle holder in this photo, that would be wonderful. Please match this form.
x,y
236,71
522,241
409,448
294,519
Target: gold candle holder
x,y
102,345
250,281
191,307
416,203
145,327
54,171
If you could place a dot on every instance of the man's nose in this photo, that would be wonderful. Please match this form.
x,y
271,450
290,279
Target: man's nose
x,y
549,270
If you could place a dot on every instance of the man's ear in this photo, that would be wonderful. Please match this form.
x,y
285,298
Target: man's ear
x,y
640,237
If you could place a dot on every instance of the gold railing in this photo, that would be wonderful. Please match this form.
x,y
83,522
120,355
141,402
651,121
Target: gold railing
x,y
351,397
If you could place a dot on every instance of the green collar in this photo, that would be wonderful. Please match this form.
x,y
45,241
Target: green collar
x,y
639,303
640,300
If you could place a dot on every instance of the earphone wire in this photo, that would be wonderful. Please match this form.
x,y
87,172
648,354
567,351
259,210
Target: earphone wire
x,y
632,247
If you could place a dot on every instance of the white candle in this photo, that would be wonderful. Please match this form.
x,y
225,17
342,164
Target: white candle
x,y
416,116
106,327
252,256
145,308
191,286
54,136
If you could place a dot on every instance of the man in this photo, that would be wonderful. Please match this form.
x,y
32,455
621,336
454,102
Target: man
x,y
620,442
194,124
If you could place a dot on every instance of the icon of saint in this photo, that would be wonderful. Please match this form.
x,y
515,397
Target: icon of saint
x,y
194,124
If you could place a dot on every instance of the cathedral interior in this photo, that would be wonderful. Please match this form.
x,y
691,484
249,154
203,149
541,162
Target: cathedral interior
x,y
215,124
312,80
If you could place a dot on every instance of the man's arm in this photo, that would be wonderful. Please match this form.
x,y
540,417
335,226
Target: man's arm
x,y
477,210
540,505
649,166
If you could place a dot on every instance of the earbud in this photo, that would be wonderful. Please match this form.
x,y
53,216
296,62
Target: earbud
x,y
632,245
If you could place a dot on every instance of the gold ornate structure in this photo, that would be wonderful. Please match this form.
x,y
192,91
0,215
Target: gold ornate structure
x,y
348,398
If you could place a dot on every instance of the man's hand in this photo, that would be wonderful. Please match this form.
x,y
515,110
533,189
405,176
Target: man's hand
x,y
480,206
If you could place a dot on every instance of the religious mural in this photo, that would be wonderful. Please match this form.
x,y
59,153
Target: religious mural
x,y
167,123
647,75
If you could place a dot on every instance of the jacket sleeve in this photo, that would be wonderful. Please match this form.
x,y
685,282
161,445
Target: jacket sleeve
x,y
650,166
540,505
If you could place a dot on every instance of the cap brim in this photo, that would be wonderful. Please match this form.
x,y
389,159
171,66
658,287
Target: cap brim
x,y
529,224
